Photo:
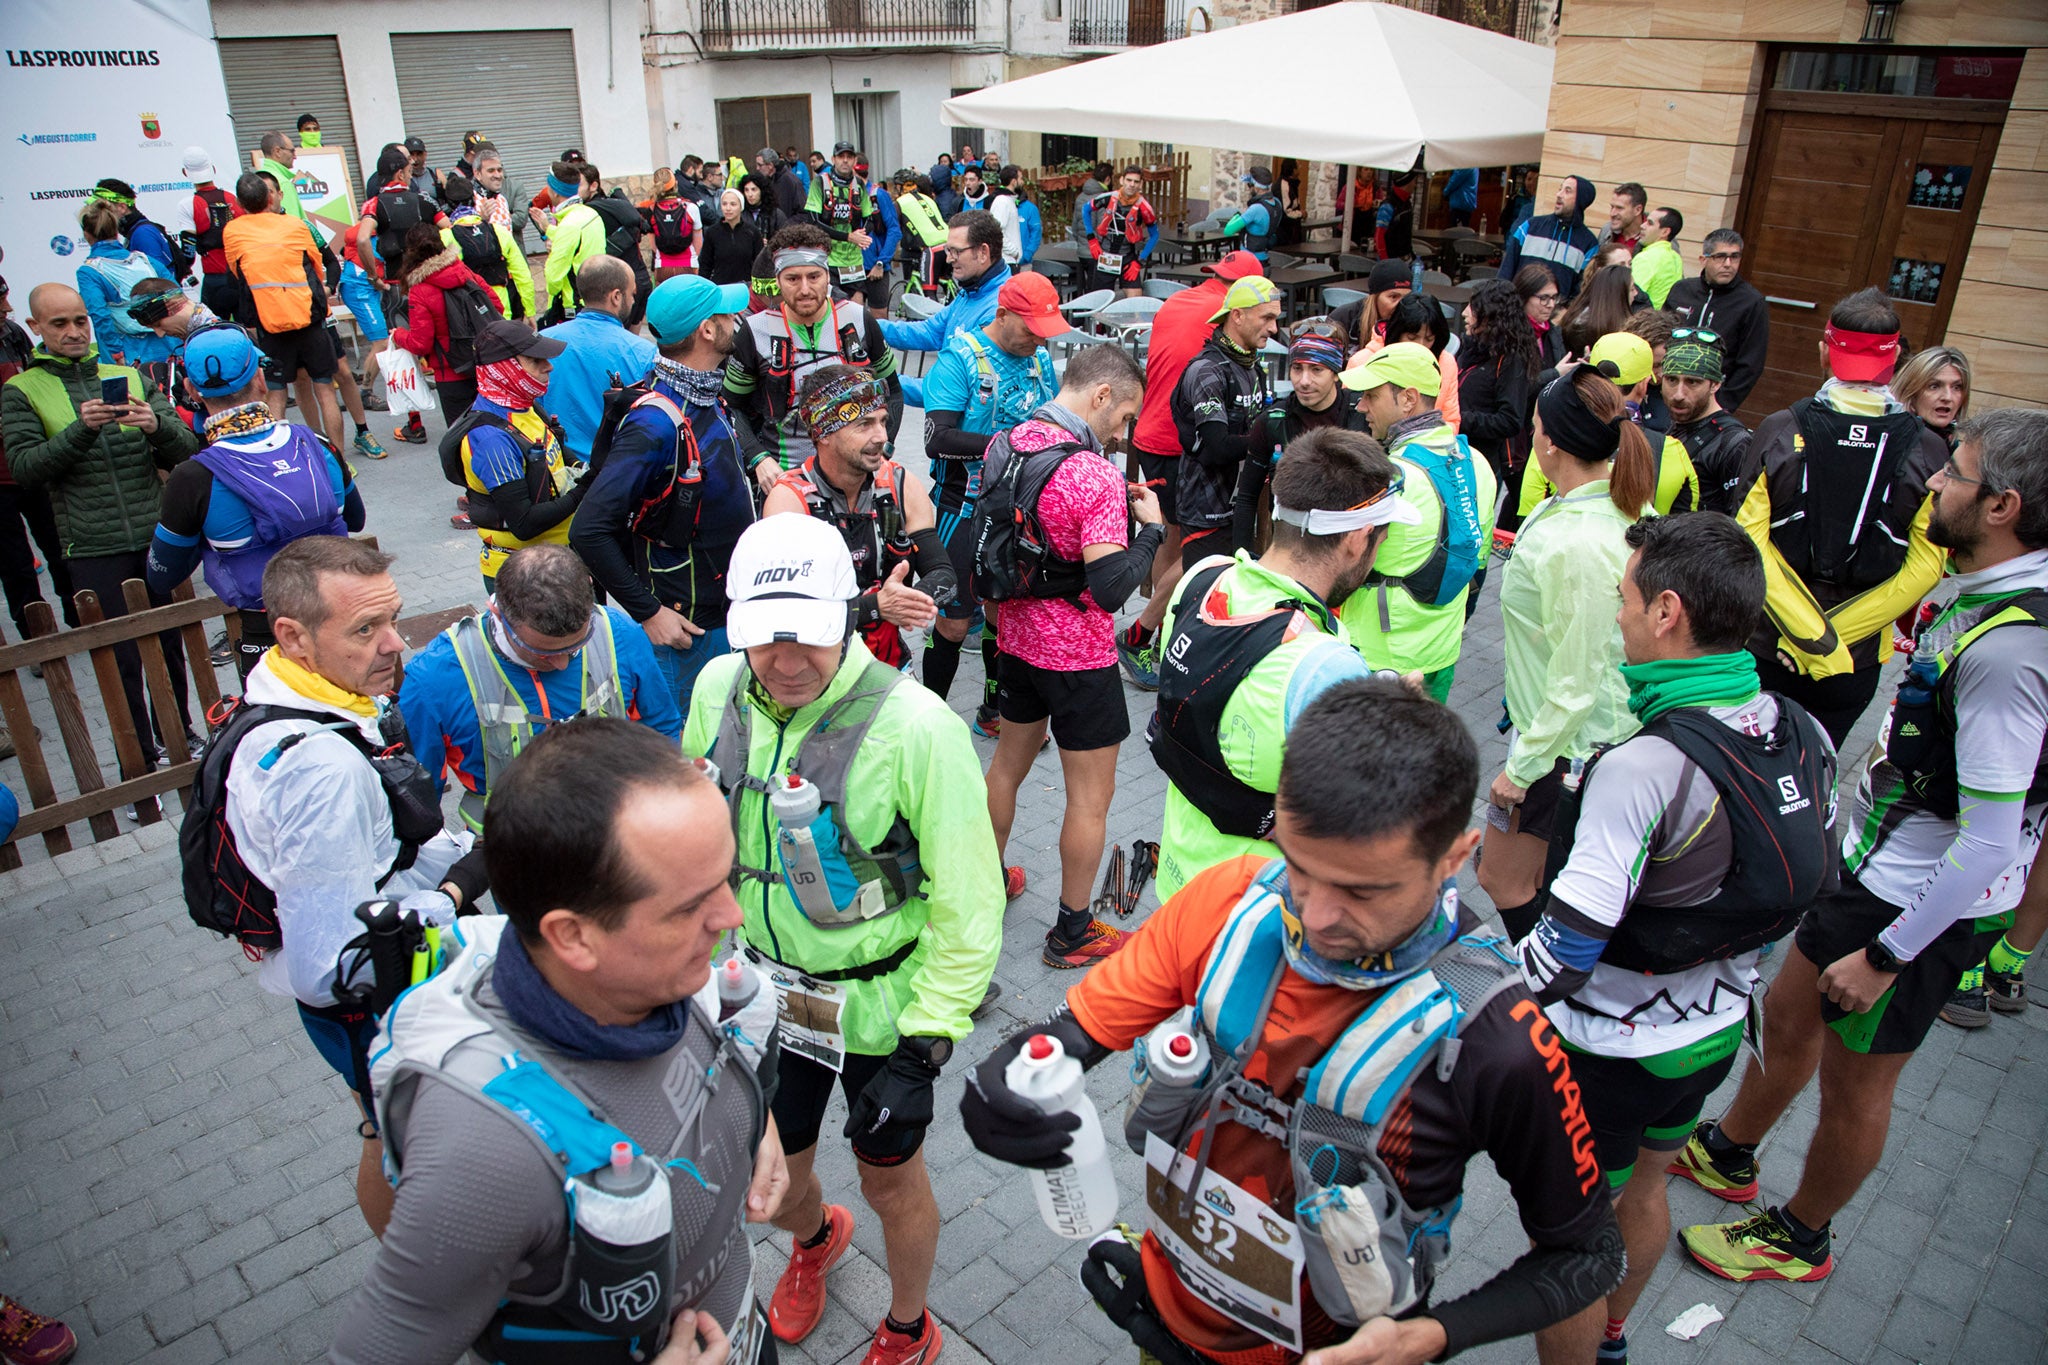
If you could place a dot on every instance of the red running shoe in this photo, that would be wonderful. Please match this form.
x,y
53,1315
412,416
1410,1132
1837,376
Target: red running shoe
x,y
891,1347
799,1299
30,1339
1013,883
1096,943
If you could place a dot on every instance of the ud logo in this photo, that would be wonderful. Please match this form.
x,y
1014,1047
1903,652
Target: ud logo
x,y
636,1298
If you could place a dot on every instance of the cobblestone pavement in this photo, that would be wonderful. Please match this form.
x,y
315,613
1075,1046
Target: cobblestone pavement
x,y
179,1165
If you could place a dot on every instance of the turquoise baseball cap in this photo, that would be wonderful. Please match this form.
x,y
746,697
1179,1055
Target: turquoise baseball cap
x,y
679,305
221,360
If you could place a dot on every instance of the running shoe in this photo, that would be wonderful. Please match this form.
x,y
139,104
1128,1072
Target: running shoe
x,y
31,1339
411,435
2007,994
1732,1177
220,651
1013,883
986,727
799,1299
1613,1352
1757,1248
461,522
891,1347
367,447
988,997
1098,941
1968,1008
1141,666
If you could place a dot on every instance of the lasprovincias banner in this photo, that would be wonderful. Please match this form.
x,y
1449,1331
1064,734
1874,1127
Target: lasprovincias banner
x,y
97,88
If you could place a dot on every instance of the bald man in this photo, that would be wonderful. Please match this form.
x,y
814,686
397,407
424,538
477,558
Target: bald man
x,y
99,462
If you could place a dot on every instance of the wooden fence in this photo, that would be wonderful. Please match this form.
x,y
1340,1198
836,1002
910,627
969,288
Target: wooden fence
x,y
1058,191
99,801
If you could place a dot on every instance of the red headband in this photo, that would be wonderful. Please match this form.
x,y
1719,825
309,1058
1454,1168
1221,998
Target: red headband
x,y
1862,357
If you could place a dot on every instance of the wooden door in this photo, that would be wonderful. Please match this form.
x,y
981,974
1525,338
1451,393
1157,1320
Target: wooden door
x,y
1846,191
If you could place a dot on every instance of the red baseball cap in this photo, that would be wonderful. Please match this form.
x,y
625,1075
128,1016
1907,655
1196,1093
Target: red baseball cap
x,y
1031,296
1236,266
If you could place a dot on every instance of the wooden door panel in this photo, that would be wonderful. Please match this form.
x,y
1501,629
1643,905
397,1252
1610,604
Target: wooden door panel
x,y
1849,155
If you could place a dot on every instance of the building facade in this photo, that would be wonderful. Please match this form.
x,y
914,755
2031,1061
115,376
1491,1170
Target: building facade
x,y
1903,145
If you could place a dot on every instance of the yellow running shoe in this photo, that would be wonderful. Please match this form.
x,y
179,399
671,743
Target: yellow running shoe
x,y
1732,1178
1758,1248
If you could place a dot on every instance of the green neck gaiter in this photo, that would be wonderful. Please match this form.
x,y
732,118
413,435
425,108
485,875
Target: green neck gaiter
x,y
1710,680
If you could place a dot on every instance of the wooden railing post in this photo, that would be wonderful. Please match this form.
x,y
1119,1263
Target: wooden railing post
x,y
35,771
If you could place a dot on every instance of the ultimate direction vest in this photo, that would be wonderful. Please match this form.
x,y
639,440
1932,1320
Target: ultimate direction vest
x,y
630,1261
1920,741
922,216
1461,542
887,875
289,494
1259,243
1207,655
1368,1251
502,719
1775,791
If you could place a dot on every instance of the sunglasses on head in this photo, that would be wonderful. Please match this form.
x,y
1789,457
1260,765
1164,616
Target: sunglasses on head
x,y
1711,338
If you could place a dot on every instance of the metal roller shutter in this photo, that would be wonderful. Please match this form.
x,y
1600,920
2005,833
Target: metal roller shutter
x,y
271,81
518,86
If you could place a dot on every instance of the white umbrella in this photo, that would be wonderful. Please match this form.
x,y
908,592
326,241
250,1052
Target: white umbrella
x,y
1360,83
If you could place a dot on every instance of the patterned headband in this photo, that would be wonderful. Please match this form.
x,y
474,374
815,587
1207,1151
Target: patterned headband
x,y
793,257
842,402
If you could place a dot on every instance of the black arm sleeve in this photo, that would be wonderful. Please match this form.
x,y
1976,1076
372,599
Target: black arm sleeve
x,y
599,535
1543,1285
1112,578
527,519
933,566
1252,477
943,439
1216,447
895,391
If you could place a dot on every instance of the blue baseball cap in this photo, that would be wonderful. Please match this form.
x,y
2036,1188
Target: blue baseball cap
x,y
679,305
221,360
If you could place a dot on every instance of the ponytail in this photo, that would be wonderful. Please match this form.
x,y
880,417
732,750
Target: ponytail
x,y
1634,481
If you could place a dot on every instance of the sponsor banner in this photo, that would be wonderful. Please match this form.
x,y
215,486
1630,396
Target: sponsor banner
x,y
100,88
321,175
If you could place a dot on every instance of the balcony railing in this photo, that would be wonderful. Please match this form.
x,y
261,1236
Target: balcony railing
x,y
754,25
1125,23
1524,19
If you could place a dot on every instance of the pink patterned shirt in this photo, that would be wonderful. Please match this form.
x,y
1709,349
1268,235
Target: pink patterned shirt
x,y
1084,503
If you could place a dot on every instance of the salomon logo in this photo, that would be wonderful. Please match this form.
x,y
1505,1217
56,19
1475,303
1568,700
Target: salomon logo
x,y
1789,789
636,1298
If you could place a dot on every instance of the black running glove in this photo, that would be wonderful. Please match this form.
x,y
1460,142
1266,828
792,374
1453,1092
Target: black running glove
x,y
1008,1127
888,1118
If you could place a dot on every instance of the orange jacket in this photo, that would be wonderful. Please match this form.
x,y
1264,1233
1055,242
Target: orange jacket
x,y
275,256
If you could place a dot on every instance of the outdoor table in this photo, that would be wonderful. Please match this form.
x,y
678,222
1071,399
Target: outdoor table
x,y
1297,280
1066,253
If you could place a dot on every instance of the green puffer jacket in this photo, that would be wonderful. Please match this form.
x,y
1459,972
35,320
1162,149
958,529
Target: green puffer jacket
x,y
103,483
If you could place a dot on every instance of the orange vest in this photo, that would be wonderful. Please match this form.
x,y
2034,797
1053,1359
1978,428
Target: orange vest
x,y
274,255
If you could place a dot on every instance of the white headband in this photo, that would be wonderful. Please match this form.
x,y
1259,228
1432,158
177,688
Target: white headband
x,y
1321,521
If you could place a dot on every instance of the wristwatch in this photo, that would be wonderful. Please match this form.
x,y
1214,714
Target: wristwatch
x,y
1880,957
933,1052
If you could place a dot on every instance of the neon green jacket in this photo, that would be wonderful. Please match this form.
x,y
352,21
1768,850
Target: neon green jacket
x,y
916,761
1390,628
1655,269
576,236
521,285
1557,602
1258,714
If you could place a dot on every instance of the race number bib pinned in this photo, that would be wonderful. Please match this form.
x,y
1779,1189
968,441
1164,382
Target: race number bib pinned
x,y
852,275
1113,262
809,1013
1232,1252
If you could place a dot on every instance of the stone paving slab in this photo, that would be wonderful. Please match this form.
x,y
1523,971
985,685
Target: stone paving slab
x,y
180,1164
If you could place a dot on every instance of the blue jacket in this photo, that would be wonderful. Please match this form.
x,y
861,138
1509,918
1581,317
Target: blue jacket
x,y
1562,242
104,297
599,346
442,721
1461,190
882,249
942,177
1030,227
972,307
149,239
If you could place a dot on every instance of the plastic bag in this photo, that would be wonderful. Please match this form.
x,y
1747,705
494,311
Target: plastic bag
x,y
405,388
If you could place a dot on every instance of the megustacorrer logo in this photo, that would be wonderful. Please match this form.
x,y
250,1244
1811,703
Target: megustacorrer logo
x,y
151,128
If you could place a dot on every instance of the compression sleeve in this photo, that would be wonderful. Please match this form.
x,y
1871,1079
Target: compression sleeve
x,y
1543,1285
354,515
1112,578
1253,476
944,440
180,538
527,519
933,566
1216,447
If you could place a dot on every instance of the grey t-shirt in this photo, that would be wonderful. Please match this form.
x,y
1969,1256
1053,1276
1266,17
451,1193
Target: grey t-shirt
x,y
480,1212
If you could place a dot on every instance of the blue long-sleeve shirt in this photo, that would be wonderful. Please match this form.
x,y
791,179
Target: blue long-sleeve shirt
x,y
104,296
599,346
971,307
1461,190
1030,227
881,247
441,718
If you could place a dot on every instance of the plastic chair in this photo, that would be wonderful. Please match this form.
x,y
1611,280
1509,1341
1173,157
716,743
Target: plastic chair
x,y
1436,277
919,308
1356,265
1281,260
1162,289
1335,298
1452,234
1471,255
1088,304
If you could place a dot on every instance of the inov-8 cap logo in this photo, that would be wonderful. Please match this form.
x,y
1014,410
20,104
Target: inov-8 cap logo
x,y
783,573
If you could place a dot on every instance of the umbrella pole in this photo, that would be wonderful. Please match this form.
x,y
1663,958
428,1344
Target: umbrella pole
x,y
1350,182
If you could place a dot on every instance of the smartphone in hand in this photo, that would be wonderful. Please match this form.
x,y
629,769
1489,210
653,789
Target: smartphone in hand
x,y
114,391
